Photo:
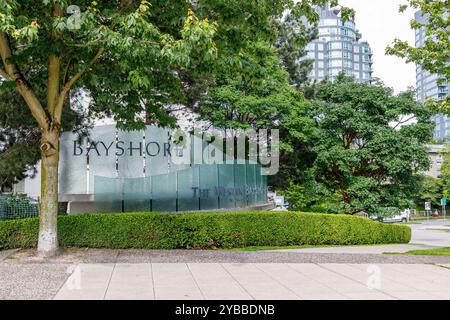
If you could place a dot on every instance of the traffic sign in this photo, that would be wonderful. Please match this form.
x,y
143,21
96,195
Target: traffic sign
x,y
427,206
444,201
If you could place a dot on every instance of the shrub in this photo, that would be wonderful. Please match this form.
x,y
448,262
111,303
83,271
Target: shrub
x,y
205,230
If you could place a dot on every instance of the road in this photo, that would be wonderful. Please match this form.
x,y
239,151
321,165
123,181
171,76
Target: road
x,y
434,233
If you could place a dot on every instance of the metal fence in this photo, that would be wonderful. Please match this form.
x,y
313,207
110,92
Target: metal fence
x,y
17,207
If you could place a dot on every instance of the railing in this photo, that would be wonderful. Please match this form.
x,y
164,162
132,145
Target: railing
x,y
17,207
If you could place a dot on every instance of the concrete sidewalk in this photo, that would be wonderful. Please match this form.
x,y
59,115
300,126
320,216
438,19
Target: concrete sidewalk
x,y
225,281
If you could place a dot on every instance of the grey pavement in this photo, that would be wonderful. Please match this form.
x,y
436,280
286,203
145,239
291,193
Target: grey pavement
x,y
269,281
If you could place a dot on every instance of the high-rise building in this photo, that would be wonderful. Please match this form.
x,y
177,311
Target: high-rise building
x,y
338,48
429,86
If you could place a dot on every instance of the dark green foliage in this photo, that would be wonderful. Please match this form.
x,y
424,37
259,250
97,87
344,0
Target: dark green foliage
x,y
431,190
294,35
205,230
364,154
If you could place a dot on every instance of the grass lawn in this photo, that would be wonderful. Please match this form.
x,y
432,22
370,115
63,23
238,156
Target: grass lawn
x,y
427,252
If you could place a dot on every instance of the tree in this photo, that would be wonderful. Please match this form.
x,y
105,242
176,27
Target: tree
x,y
132,57
107,49
431,190
295,34
365,151
258,99
434,56
261,98
445,173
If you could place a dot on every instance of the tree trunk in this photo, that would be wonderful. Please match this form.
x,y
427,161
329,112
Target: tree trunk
x,y
48,239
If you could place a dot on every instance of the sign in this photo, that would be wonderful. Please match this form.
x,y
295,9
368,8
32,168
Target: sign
x,y
427,206
444,201
279,200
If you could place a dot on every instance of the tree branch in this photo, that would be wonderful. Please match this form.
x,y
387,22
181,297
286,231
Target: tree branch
x,y
78,75
4,75
22,86
54,66
69,84
404,121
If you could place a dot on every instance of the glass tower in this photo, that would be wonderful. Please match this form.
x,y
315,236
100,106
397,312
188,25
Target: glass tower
x,y
338,48
429,86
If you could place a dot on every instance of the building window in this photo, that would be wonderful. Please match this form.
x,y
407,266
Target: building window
x,y
347,64
336,63
348,46
336,54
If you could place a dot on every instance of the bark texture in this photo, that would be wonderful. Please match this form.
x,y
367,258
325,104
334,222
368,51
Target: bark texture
x,y
48,233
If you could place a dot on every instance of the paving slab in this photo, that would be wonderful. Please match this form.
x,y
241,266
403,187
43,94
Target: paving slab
x,y
345,285
87,282
131,282
304,287
174,281
259,284
422,281
209,277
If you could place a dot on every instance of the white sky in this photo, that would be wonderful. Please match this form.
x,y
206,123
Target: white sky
x,y
380,23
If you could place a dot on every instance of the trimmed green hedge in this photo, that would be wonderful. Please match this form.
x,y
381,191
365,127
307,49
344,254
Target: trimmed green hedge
x,y
205,230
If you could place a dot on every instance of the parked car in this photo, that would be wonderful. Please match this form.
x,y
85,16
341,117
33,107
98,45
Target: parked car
x,y
403,216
